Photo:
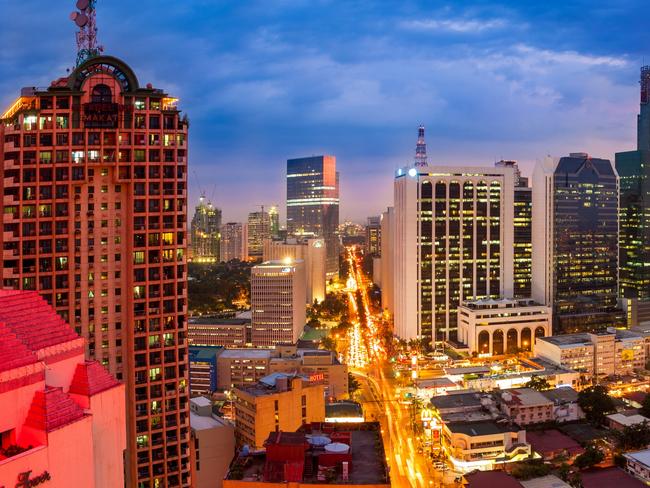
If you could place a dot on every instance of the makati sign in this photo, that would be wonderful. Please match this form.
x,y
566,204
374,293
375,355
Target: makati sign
x,y
26,480
104,115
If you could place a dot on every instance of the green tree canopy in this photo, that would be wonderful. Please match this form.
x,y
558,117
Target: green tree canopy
x,y
595,403
538,383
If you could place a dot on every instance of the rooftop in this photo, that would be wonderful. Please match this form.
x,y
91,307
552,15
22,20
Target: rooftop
x,y
290,457
343,409
523,396
480,428
489,303
627,420
245,354
564,394
490,479
217,322
203,422
549,442
567,340
608,477
91,378
642,457
467,370
548,481
205,353
460,400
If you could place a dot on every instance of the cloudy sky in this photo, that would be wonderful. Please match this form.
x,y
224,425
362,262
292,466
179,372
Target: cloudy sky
x,y
267,80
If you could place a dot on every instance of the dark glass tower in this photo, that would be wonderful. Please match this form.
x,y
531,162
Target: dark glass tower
x,y
205,231
313,203
585,244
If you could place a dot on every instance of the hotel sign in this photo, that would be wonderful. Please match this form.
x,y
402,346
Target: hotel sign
x,y
102,115
26,480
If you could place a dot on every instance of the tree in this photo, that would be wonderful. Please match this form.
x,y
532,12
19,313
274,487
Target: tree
x,y
595,403
645,407
538,383
328,343
634,436
530,469
353,384
589,458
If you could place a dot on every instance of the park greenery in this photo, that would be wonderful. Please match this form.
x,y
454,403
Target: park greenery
x,y
222,287
596,403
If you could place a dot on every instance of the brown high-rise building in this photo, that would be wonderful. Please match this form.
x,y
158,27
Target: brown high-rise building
x,y
94,213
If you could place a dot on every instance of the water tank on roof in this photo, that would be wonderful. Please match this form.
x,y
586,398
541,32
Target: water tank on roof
x,y
319,440
337,448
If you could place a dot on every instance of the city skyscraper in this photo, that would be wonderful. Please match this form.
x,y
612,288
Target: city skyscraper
x,y
278,302
259,229
94,213
633,168
373,235
523,221
575,241
234,241
274,215
313,203
205,230
449,241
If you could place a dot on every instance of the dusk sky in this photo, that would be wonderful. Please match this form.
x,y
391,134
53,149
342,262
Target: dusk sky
x,y
267,80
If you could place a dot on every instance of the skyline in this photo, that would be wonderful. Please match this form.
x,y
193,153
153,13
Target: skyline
x,y
262,97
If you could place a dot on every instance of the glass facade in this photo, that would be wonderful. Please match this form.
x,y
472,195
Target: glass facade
x,y
459,249
313,203
585,201
205,229
523,252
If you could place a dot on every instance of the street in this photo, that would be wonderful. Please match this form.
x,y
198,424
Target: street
x,y
367,359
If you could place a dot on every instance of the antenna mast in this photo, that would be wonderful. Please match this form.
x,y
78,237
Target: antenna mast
x,y
421,149
87,46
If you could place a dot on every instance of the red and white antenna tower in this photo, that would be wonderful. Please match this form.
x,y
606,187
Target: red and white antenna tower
x,y
87,46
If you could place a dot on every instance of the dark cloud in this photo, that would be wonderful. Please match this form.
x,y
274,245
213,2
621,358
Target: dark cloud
x,y
266,80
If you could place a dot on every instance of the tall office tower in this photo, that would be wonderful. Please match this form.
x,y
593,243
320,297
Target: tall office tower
x,y
94,213
575,241
387,257
205,229
313,203
633,168
278,302
451,242
373,236
259,229
523,222
233,244
312,252
274,215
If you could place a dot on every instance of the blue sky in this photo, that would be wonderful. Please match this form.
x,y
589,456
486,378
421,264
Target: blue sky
x,y
267,80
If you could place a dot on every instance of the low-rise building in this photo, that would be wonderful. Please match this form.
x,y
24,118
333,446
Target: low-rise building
x,y
618,421
565,404
526,406
599,354
638,465
213,331
277,402
212,446
552,445
241,367
345,411
505,326
483,445
62,419
350,455
548,481
490,479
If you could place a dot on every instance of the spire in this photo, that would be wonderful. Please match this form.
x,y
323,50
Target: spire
x,y
87,46
421,149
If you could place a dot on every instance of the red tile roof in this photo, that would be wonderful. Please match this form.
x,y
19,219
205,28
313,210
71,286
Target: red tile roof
x,y
491,479
609,477
32,320
52,409
91,378
549,443
13,353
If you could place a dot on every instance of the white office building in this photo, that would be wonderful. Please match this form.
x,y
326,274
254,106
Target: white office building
x,y
278,299
453,241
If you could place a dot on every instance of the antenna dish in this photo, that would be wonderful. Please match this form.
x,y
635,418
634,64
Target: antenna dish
x,y
82,4
81,20
73,16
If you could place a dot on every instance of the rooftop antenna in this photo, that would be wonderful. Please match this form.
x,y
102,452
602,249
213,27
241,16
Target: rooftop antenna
x,y
87,46
421,149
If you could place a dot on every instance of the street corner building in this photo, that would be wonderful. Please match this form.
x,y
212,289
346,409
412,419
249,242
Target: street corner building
x,y
94,184
62,420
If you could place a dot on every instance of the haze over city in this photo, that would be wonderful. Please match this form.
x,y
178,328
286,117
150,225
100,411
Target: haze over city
x,y
268,80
